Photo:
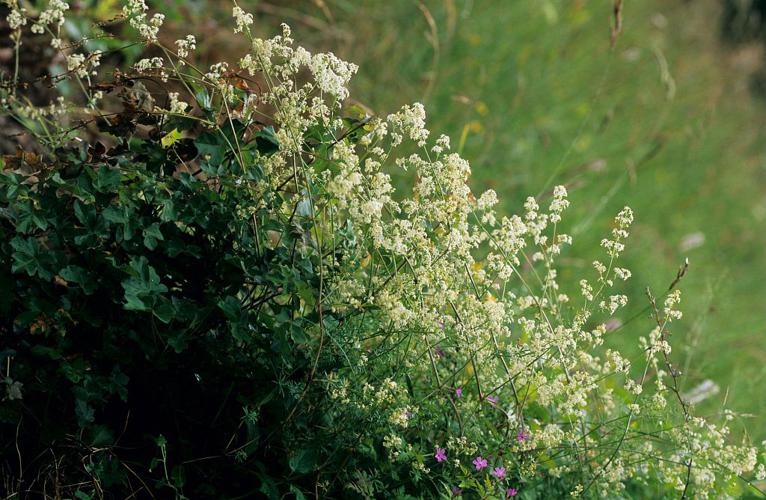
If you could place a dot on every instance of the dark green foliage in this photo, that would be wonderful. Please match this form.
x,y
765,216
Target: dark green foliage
x,y
155,336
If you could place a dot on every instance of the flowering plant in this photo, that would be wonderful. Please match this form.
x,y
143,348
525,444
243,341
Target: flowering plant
x,y
241,253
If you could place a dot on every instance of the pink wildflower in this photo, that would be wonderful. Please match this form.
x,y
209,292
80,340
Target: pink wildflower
x,y
512,492
479,462
441,454
499,472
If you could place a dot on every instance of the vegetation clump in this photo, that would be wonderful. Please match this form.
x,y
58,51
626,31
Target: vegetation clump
x,y
225,295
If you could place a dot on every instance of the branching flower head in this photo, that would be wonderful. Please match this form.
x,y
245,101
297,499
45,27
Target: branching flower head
x,y
242,19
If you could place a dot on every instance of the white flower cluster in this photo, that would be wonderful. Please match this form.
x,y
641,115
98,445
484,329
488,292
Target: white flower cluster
x,y
442,144
76,62
177,107
16,17
331,74
298,106
216,71
615,302
186,46
559,203
84,66
615,246
410,122
242,19
147,64
56,109
53,15
148,28
671,301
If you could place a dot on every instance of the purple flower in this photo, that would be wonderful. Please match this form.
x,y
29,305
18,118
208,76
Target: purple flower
x,y
479,462
512,492
499,472
522,436
439,352
456,492
492,400
441,454
458,392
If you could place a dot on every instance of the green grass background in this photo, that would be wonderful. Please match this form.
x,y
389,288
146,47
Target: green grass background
x,y
534,95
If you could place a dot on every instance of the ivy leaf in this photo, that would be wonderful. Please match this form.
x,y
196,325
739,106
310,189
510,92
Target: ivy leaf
x,y
144,289
101,436
298,493
76,274
268,487
212,147
107,179
231,307
303,461
114,215
168,213
86,214
13,184
84,412
30,219
178,342
151,235
94,227
27,258
165,311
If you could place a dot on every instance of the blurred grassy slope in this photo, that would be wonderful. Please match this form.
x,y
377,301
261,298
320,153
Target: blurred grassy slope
x,y
663,123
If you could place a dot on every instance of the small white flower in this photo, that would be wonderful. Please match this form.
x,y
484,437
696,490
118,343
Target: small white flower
x,y
16,18
243,19
186,46
176,106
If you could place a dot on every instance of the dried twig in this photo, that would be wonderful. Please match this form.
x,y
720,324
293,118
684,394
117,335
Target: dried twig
x,y
617,22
